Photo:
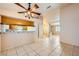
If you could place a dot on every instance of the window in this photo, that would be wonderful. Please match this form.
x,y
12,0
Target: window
x,y
5,28
31,28
57,28
19,28
16,28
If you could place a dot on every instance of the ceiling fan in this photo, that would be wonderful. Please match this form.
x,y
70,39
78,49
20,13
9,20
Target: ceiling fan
x,y
29,10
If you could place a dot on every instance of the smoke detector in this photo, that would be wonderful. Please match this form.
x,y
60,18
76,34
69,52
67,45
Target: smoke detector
x,y
48,7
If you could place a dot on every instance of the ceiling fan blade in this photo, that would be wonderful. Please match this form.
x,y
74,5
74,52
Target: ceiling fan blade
x,y
36,13
36,6
36,17
20,5
22,12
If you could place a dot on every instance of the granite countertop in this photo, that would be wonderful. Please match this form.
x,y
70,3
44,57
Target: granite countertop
x,y
17,32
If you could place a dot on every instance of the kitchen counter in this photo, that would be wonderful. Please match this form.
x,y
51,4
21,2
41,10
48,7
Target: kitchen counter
x,y
14,39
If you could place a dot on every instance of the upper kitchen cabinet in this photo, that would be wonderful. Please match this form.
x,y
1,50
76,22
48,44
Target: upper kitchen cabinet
x,y
0,33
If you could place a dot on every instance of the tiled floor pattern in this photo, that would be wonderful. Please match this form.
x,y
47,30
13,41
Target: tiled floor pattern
x,y
36,49
70,50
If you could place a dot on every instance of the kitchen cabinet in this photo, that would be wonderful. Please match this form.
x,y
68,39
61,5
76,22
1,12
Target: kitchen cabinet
x,y
0,33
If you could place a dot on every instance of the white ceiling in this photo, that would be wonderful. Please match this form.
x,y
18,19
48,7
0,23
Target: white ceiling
x,y
12,8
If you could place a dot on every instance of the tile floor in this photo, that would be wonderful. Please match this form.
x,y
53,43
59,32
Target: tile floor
x,y
36,49
70,50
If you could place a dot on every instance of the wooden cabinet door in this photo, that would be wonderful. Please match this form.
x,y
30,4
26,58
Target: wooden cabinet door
x,y
0,33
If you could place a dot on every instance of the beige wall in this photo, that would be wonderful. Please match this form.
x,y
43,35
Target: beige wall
x,y
0,42
39,29
70,24
12,14
52,15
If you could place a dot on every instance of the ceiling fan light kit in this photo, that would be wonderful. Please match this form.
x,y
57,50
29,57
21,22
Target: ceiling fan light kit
x,y
30,13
